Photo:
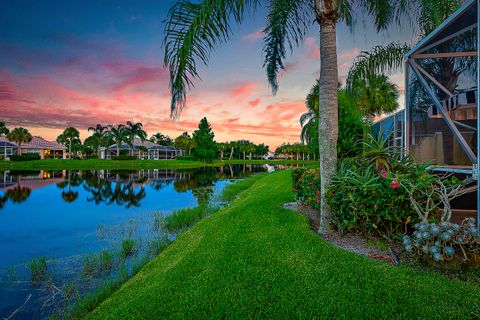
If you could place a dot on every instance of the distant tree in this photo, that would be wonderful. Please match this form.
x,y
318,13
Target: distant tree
x,y
99,137
161,139
251,149
232,146
69,136
205,145
262,149
185,142
118,134
222,147
19,136
3,129
134,130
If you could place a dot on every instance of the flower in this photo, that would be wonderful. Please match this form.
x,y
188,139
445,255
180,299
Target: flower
x,y
374,191
384,174
318,200
332,194
395,185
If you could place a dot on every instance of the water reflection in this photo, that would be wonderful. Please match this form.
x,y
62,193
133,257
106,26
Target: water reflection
x,y
120,188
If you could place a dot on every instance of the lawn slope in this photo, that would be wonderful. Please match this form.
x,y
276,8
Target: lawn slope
x,y
254,259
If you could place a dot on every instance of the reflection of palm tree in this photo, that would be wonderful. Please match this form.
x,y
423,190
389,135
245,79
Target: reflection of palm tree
x,y
18,194
69,195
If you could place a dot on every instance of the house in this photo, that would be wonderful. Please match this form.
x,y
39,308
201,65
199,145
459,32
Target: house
x,y
38,145
141,150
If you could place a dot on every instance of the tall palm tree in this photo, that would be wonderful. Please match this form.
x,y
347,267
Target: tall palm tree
x,y
308,119
69,136
194,29
222,147
133,131
100,132
19,136
118,135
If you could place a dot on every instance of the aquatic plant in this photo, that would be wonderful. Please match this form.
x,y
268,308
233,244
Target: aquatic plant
x,y
128,248
184,218
101,263
38,269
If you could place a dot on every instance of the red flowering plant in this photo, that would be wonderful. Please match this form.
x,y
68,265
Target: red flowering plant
x,y
306,186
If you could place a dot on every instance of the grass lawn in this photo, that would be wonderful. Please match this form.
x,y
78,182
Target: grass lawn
x,y
254,259
91,164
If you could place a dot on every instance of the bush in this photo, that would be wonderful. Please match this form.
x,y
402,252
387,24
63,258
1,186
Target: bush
x,y
124,157
444,241
306,186
25,157
128,248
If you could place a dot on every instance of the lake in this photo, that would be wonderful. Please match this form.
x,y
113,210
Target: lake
x,y
66,216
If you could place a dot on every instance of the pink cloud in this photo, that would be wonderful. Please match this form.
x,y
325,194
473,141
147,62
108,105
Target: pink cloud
x,y
255,102
254,36
243,90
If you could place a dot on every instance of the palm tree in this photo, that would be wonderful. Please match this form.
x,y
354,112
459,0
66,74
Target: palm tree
x,y
308,120
250,148
19,136
100,132
118,134
194,29
133,131
69,136
377,95
222,147
232,146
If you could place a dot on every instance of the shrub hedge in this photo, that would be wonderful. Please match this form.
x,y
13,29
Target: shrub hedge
x,y
306,186
25,157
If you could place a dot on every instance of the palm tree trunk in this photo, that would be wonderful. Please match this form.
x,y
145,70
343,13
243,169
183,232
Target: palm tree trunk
x,y
221,155
70,150
328,112
231,154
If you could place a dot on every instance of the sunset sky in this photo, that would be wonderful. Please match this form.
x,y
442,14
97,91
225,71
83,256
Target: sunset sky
x,y
79,63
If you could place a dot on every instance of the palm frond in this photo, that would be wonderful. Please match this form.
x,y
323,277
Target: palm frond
x,y
287,26
381,59
192,31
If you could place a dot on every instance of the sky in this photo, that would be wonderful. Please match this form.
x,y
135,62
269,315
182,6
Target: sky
x,y
79,63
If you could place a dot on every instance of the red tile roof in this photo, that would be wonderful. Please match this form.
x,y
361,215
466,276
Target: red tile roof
x,y
38,143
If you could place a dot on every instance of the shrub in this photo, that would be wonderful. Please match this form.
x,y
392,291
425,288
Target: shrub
x,y
128,248
306,186
444,241
124,157
25,157
38,269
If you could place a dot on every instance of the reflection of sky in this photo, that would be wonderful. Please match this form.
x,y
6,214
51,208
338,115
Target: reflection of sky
x,y
76,63
46,225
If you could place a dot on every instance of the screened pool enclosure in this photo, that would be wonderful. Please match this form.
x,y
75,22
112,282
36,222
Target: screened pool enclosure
x,y
440,122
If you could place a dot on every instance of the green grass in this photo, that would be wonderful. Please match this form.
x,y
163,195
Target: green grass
x,y
38,269
254,259
233,190
184,218
92,164
128,248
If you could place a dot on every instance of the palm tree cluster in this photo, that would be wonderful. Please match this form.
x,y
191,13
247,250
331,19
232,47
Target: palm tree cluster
x,y
296,151
241,149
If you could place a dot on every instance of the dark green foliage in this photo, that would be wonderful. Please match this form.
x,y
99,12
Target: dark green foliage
x,y
187,158
306,186
124,157
25,157
205,145
350,127
38,270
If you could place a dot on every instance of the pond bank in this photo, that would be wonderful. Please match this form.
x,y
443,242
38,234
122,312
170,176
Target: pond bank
x,y
255,259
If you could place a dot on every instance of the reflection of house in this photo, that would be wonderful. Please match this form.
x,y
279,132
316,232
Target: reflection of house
x,y
40,146
32,182
142,150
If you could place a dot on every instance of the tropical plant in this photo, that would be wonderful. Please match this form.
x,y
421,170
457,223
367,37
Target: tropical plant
x,y
222,146
161,139
3,129
306,187
118,134
205,146
69,136
376,95
194,29
134,130
19,136
185,142
99,137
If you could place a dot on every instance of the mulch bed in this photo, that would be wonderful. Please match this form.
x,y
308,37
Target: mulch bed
x,y
349,242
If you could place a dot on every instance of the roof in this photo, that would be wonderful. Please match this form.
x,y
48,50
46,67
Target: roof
x,y
36,143
146,144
